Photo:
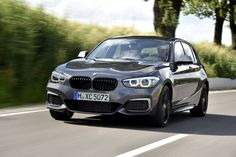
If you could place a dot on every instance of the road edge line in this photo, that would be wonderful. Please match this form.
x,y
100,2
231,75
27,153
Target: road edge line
x,y
22,112
223,91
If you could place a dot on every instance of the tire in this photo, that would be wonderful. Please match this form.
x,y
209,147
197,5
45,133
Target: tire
x,y
201,109
161,117
64,116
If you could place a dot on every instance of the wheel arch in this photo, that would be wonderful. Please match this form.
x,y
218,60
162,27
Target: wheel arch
x,y
170,86
206,82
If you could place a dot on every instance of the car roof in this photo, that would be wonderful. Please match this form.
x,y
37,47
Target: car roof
x,y
147,37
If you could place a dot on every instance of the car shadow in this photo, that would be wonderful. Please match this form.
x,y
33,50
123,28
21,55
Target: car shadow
x,y
211,124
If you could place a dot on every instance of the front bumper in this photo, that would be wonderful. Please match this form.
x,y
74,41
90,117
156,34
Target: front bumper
x,y
127,101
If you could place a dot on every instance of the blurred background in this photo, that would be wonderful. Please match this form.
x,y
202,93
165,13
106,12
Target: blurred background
x,y
38,35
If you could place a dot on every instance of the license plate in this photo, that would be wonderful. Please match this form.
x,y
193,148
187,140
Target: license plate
x,y
91,96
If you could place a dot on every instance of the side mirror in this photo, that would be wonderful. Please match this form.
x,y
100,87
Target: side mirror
x,y
82,54
173,67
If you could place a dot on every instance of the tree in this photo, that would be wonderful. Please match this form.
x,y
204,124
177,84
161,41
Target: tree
x,y
215,9
232,23
166,16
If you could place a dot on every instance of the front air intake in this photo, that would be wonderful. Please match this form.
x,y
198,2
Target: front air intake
x,y
92,106
54,100
137,106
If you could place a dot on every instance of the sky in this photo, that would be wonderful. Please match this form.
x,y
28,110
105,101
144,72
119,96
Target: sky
x,y
131,13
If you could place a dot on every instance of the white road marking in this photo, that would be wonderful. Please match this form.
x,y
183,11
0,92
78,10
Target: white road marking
x,y
223,91
23,112
152,146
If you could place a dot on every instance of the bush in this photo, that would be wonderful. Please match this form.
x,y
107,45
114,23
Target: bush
x,y
32,43
218,60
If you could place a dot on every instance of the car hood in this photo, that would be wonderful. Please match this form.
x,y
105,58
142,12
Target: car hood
x,y
110,67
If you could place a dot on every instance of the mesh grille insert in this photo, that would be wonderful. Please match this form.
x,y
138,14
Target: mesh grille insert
x,y
54,99
138,105
104,84
92,106
80,82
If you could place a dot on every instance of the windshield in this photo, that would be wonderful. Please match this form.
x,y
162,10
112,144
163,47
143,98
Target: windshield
x,y
132,49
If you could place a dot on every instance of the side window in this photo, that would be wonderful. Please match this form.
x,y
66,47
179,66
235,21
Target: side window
x,y
179,52
188,51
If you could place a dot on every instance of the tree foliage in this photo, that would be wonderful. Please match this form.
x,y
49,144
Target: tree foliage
x,y
206,8
215,9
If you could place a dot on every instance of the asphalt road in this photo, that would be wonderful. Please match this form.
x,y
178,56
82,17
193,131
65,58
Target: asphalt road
x,y
36,134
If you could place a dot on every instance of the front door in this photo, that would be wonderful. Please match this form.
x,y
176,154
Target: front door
x,y
185,83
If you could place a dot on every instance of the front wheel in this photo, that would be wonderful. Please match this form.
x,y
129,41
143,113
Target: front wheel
x,y
163,108
65,115
201,109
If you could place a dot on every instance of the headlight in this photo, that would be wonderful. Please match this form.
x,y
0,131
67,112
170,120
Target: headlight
x,y
57,77
141,82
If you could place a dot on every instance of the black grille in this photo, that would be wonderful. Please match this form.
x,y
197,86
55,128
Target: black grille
x,y
80,82
92,106
104,84
138,105
54,99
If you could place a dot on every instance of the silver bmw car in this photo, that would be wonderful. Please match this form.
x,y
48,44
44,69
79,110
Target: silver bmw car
x,y
131,75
